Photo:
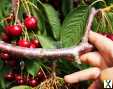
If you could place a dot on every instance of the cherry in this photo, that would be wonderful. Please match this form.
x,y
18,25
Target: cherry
x,y
21,82
7,29
9,76
5,37
28,79
36,42
18,77
40,73
110,36
30,22
33,82
14,30
4,55
32,45
23,43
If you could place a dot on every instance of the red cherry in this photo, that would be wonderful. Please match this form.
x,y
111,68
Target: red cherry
x,y
33,82
32,45
14,30
7,29
9,76
30,22
28,79
5,37
18,77
23,43
40,76
4,55
36,42
21,82
110,36
40,73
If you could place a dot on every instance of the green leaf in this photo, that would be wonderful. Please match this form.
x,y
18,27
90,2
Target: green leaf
x,y
3,71
2,82
67,67
22,87
5,7
66,6
46,42
32,67
74,25
53,19
109,2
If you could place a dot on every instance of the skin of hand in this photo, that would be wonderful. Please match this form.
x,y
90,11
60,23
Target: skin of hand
x,y
100,60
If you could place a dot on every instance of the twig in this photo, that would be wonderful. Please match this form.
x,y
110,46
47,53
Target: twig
x,y
14,5
41,53
15,8
89,25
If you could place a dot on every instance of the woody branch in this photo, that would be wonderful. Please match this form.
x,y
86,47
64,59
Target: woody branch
x,y
83,47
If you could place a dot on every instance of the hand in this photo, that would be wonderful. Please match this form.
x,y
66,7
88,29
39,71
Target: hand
x,y
101,60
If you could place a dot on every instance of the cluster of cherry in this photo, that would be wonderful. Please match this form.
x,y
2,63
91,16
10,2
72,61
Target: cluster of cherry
x,y
26,80
16,31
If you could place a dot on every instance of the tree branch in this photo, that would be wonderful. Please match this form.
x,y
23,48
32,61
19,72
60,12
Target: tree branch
x,y
83,47
89,24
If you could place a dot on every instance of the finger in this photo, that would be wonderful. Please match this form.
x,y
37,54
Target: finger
x,y
91,73
103,44
94,59
96,85
107,74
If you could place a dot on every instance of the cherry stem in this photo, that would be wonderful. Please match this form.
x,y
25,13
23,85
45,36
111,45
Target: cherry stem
x,y
26,34
24,5
43,72
27,7
16,12
34,34
74,51
32,4
15,7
